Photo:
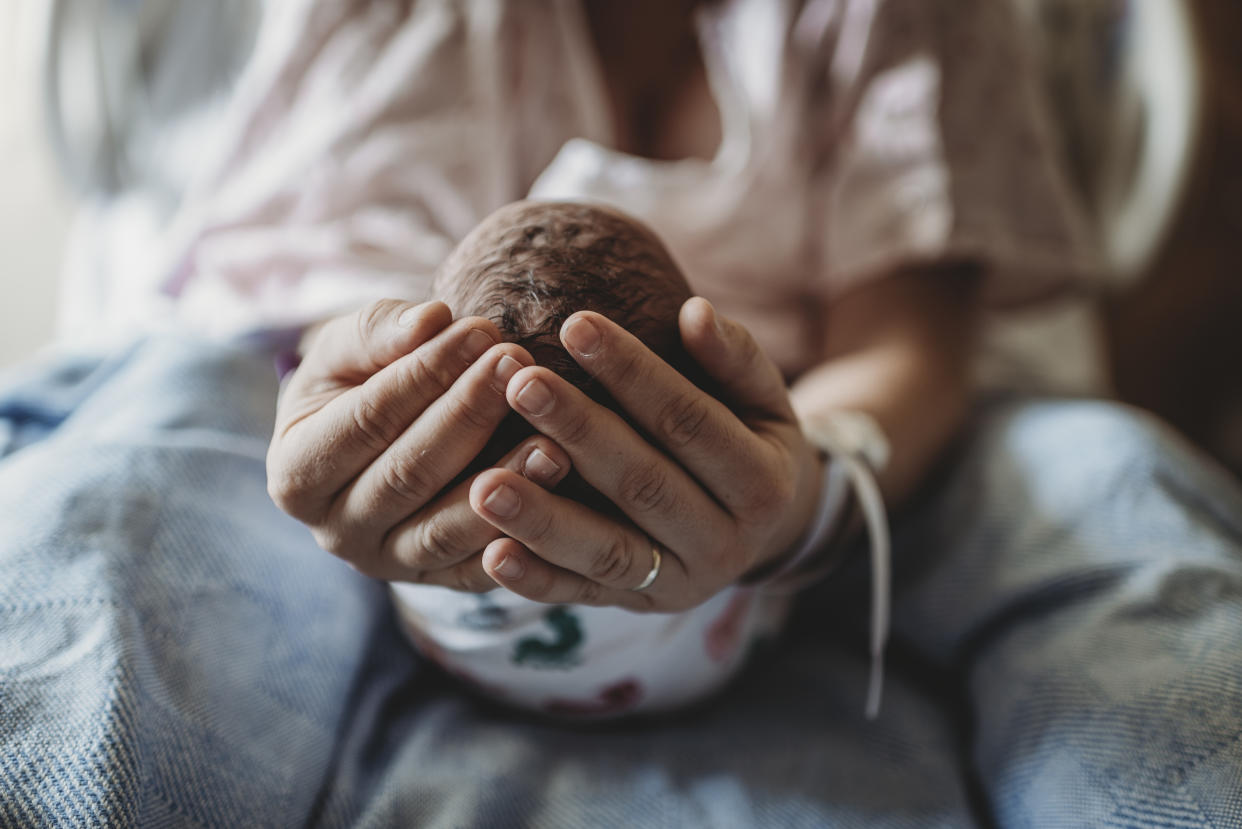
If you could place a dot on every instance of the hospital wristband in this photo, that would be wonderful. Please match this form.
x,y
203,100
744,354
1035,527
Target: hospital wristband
x,y
855,440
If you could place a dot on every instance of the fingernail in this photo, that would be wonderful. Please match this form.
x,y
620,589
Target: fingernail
x,y
510,568
506,367
540,467
475,343
535,398
408,317
582,336
503,502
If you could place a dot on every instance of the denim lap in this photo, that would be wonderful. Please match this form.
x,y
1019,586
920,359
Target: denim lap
x,y
175,650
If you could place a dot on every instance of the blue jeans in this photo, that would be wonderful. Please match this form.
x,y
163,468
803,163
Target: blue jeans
x,y
175,651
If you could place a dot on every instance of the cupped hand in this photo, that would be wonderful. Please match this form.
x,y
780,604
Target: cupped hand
x,y
388,407
722,489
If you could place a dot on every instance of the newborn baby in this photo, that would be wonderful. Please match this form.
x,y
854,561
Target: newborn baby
x,y
528,267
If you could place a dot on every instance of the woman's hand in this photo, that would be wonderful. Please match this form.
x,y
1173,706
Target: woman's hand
x,y
389,405
720,493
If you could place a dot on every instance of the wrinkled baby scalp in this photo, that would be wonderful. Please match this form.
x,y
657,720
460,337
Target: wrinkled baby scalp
x,y
530,265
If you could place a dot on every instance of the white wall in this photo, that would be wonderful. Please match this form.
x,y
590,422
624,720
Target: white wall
x,y
34,203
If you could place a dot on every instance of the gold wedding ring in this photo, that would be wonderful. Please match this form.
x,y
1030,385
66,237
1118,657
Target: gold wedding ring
x,y
656,558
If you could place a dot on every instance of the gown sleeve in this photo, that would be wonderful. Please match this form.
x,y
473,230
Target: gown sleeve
x,y
364,140
936,147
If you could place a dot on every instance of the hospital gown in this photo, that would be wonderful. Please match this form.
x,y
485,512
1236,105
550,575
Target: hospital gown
x,y
175,651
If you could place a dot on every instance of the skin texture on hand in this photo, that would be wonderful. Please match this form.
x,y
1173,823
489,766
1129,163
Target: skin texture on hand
x,y
720,493
389,405
379,427
899,348
532,267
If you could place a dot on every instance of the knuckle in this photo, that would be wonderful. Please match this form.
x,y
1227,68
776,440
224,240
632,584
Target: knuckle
x,y
440,544
588,592
408,482
425,375
371,319
576,429
683,420
629,368
541,530
469,580
285,493
646,489
288,490
612,562
466,411
373,425
331,540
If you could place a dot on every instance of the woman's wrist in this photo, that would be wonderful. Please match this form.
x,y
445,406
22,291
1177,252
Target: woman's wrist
x,y
819,525
837,439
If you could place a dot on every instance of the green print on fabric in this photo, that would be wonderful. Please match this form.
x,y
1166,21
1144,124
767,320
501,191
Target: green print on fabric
x,y
485,615
561,652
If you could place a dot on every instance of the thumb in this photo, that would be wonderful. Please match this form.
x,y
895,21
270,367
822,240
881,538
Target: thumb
x,y
732,357
355,346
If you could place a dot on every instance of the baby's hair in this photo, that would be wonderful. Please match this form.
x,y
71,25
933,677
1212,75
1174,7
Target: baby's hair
x,y
530,265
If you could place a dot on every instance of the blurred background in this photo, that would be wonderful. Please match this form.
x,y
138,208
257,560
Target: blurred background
x,y
104,105
35,204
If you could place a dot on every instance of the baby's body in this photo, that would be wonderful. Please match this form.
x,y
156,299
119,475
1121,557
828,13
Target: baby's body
x,y
528,267
573,660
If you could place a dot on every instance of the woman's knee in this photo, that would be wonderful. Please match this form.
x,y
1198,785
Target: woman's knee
x,y
1095,461
1054,443
1077,432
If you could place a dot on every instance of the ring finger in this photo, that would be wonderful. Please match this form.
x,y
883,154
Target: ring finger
x,y
356,427
570,536
653,490
430,453
441,543
512,566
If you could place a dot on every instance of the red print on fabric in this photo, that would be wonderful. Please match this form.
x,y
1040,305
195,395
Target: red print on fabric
x,y
615,699
725,632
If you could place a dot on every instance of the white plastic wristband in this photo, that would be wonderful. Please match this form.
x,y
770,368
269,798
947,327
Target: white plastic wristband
x,y
855,441
834,498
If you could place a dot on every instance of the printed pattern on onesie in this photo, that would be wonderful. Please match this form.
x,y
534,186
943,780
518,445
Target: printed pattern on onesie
x,y
594,662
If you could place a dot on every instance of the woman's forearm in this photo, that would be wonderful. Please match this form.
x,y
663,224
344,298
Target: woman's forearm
x,y
900,349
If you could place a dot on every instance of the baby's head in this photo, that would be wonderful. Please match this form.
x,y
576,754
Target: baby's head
x,y
530,265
